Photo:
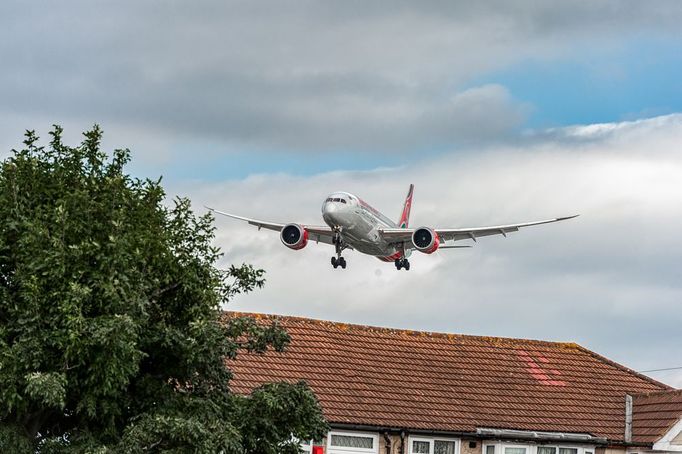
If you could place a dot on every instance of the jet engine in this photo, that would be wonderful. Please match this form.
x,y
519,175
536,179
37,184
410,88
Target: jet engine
x,y
425,240
294,236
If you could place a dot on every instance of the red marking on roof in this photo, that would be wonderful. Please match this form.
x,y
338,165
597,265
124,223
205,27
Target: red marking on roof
x,y
537,372
542,358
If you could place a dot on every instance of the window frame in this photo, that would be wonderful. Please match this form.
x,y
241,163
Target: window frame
x,y
484,447
342,449
432,444
579,449
528,448
306,446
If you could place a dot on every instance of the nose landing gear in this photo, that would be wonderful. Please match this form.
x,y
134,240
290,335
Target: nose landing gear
x,y
402,263
338,261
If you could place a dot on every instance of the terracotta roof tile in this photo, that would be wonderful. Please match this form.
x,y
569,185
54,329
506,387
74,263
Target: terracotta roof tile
x,y
654,414
447,382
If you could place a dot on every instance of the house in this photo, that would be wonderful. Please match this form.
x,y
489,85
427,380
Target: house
x,y
393,391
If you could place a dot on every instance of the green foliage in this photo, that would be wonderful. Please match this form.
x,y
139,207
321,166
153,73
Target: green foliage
x,y
110,331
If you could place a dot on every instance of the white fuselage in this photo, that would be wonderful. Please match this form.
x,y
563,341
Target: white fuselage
x,y
359,225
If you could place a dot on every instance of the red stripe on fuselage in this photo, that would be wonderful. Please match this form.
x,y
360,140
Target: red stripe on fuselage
x,y
391,258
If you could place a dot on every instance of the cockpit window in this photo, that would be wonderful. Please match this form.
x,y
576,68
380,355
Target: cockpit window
x,y
342,200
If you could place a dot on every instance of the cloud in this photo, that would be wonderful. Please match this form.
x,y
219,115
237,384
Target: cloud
x,y
181,83
309,76
609,279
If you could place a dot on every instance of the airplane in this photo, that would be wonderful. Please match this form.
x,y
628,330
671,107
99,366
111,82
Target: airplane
x,y
354,224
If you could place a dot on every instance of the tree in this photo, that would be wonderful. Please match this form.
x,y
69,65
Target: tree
x,y
111,338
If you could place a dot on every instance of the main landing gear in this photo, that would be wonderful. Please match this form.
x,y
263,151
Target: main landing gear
x,y
402,263
338,261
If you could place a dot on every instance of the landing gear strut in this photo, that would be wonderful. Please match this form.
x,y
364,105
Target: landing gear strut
x,y
338,261
402,263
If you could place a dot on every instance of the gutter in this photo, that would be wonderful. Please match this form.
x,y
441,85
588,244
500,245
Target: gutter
x,y
537,435
398,430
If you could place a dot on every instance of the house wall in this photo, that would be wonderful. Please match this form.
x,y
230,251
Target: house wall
x,y
395,444
465,449
610,451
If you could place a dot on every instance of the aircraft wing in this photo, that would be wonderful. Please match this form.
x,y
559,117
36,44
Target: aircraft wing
x,y
405,235
320,234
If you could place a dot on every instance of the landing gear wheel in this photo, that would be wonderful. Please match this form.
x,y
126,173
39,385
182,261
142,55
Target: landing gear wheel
x,y
339,262
402,263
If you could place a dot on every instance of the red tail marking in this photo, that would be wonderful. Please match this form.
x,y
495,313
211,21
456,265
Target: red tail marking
x,y
405,216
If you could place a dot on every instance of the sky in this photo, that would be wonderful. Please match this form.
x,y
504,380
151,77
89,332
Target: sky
x,y
498,112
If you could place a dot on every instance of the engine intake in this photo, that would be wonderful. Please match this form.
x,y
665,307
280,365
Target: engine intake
x,y
425,240
294,236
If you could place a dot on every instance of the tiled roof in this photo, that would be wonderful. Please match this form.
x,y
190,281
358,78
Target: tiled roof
x,y
654,414
392,378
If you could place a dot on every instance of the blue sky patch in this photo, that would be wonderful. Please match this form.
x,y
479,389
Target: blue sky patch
x,y
642,79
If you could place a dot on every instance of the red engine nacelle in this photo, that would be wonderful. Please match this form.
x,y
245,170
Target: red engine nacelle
x,y
294,236
425,240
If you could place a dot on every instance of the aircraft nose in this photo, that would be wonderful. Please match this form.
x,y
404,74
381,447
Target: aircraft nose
x,y
332,213
331,207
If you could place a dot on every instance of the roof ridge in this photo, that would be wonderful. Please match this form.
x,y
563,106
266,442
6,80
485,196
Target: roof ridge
x,y
612,363
672,391
439,334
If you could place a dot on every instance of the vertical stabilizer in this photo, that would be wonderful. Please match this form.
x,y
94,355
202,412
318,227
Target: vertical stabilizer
x,y
405,216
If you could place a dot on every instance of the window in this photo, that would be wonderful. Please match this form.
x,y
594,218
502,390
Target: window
x,y
420,445
568,450
514,450
562,450
352,442
444,447
490,449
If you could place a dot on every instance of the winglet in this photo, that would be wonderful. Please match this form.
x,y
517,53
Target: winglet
x,y
567,217
405,216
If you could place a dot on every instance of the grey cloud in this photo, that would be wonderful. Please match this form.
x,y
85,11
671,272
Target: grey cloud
x,y
295,75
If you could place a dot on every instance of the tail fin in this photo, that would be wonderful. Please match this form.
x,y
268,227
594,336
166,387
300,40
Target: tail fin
x,y
405,216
